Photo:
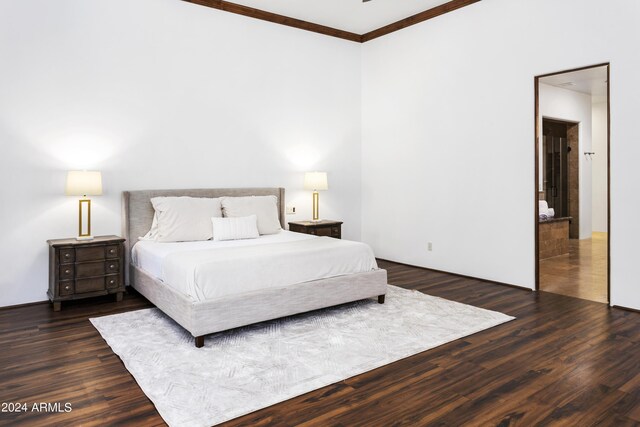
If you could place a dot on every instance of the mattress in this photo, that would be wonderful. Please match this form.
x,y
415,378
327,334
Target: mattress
x,y
209,270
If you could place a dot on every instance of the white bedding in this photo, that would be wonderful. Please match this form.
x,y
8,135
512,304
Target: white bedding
x,y
207,269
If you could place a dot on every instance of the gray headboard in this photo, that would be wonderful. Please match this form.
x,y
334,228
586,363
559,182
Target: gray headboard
x,y
137,211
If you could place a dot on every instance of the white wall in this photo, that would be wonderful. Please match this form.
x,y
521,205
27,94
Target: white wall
x,y
162,94
567,105
448,134
599,166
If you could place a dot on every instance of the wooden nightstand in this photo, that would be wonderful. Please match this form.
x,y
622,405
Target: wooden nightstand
x,y
323,227
85,268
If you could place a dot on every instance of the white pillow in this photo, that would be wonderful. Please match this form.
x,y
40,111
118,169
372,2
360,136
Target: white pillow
x,y
183,219
264,207
152,234
244,227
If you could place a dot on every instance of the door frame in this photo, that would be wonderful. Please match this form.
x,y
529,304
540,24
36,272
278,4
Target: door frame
x,y
537,172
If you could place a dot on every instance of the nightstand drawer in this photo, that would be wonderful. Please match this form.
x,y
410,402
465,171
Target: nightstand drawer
x,y
113,281
323,231
90,269
112,266
95,253
67,255
66,271
112,251
65,288
90,285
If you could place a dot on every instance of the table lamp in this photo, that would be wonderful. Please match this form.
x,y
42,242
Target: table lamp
x,y
84,183
316,181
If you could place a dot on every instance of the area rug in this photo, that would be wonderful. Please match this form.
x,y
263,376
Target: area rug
x,y
249,368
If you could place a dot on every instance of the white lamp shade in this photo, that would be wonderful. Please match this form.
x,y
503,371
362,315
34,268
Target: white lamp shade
x,y
315,181
83,183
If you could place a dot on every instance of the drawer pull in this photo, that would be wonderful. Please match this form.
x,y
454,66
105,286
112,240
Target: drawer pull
x,y
112,251
66,288
111,282
112,266
67,255
67,271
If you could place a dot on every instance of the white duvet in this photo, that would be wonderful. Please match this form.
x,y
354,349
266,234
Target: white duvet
x,y
208,270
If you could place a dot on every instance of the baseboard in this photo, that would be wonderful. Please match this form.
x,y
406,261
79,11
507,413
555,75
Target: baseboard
x,y
522,288
28,304
633,310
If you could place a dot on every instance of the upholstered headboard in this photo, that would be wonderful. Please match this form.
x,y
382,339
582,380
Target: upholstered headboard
x,y
137,211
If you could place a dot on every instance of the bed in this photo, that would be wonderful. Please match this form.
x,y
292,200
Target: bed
x,y
173,276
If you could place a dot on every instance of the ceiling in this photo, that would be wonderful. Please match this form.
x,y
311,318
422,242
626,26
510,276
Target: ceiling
x,y
592,81
347,15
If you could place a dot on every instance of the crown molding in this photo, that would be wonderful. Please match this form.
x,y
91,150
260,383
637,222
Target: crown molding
x,y
330,31
416,19
277,19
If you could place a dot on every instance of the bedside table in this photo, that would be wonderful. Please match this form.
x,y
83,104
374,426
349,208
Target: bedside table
x,y
85,268
323,227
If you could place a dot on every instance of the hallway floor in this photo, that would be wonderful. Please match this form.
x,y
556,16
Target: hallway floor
x,y
582,273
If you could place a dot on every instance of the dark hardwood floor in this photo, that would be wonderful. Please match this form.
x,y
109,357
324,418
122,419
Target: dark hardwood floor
x,y
563,361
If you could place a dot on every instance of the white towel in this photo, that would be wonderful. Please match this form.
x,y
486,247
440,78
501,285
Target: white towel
x,y
543,206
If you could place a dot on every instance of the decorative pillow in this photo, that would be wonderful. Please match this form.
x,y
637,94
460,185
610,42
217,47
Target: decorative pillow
x,y
183,219
264,207
244,227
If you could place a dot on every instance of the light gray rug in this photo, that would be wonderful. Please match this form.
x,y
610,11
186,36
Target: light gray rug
x,y
246,369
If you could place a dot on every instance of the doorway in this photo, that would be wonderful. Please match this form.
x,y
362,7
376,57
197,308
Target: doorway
x,y
572,232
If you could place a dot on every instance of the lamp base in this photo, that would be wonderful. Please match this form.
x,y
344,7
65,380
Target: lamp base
x,y
84,233
316,209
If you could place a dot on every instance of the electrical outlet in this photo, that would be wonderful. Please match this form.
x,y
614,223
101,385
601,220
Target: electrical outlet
x,y
429,246
290,210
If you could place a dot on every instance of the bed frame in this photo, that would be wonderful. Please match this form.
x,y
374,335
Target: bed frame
x,y
207,317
